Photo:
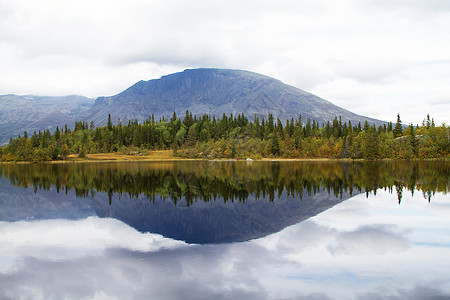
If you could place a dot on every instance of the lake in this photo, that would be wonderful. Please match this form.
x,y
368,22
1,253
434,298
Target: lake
x,y
225,230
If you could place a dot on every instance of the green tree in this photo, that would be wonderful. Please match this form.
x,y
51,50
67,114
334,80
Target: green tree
x,y
371,145
412,139
398,129
82,152
274,145
54,151
181,135
110,126
192,135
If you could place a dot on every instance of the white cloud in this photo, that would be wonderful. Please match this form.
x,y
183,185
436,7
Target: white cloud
x,y
436,6
372,239
56,240
101,47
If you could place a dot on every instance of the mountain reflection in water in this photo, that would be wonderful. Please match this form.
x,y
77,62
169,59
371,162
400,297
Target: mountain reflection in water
x,y
64,230
208,202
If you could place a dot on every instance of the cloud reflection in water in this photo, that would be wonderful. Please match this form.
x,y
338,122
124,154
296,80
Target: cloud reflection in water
x,y
327,257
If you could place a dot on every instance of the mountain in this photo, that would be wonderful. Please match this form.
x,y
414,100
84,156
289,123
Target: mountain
x,y
33,113
214,92
201,91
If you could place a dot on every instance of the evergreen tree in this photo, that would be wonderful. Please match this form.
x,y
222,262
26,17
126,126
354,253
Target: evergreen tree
x,y
274,144
110,126
412,138
328,130
428,122
279,127
57,134
307,129
270,125
174,117
371,145
335,128
398,129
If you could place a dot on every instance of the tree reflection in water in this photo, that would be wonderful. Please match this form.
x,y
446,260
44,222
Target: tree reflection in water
x,y
232,181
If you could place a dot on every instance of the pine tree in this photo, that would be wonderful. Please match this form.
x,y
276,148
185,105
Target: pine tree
x,y
57,134
174,117
270,124
110,126
412,139
307,129
274,144
398,129
279,127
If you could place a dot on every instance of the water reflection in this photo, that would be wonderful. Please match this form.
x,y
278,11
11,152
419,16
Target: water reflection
x,y
231,181
363,248
323,230
205,202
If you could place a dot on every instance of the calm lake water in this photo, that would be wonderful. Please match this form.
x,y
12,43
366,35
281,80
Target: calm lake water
x,y
225,230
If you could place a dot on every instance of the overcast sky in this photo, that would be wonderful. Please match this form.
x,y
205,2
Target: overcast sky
x,y
373,57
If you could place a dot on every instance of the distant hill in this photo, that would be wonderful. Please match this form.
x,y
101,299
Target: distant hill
x,y
33,113
214,92
201,91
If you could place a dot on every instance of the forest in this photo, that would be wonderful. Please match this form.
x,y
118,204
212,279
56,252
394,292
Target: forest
x,y
235,137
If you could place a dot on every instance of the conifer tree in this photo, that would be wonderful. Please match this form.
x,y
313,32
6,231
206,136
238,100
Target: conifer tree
x,y
274,144
398,129
109,122
412,139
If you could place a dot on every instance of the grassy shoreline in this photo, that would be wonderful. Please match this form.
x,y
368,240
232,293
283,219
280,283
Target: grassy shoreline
x,y
168,155
157,155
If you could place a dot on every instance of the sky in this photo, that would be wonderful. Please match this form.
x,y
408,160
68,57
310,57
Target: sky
x,y
373,57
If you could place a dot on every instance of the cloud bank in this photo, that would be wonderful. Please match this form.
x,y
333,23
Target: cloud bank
x,y
375,58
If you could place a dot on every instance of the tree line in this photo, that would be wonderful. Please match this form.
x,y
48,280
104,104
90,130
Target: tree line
x,y
235,137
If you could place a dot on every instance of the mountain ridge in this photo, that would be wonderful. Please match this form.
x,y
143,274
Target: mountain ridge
x,y
201,91
19,113
214,92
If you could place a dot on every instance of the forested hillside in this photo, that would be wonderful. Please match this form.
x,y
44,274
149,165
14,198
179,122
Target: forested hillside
x,y
236,137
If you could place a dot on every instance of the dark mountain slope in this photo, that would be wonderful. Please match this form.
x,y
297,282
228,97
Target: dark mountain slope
x,y
214,92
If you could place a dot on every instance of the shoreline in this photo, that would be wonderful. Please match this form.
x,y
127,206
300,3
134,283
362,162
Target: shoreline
x,y
167,155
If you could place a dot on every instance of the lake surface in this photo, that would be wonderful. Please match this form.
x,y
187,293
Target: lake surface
x,y
225,230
